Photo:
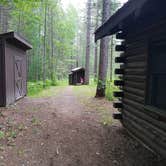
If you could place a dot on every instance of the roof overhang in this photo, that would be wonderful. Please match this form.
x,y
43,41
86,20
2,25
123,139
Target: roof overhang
x,y
115,22
16,39
77,69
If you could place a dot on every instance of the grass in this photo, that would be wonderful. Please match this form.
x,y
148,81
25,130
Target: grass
x,y
47,92
110,88
50,88
85,90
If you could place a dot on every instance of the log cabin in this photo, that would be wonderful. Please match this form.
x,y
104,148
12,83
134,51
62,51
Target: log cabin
x,y
141,26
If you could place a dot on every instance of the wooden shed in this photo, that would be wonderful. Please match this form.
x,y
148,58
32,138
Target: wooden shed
x,y
141,25
13,67
77,76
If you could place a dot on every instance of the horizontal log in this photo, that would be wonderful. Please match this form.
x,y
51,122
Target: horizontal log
x,y
118,94
120,48
117,116
136,58
136,65
134,97
117,105
143,136
151,131
135,78
119,83
146,115
119,71
119,59
135,84
135,71
134,91
131,53
121,35
133,104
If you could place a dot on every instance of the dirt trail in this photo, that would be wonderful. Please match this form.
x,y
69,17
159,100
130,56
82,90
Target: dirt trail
x,y
67,130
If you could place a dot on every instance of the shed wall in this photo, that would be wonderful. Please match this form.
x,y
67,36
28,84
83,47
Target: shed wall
x,y
147,125
2,74
11,53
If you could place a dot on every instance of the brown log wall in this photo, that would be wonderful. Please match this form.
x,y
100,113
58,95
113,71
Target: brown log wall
x,y
145,123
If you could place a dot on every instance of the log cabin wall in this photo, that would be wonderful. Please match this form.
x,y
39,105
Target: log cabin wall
x,y
146,124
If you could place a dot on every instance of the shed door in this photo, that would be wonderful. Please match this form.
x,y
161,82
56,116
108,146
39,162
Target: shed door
x,y
18,78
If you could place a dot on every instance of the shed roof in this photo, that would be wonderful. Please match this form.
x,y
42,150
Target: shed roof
x,y
16,39
130,11
77,69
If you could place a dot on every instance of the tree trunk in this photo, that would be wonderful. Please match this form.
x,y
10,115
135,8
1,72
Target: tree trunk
x,y
103,61
111,58
96,46
88,42
44,45
52,47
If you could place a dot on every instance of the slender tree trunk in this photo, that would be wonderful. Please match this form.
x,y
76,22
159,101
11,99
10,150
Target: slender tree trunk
x,y
111,58
96,46
44,45
96,61
88,42
52,46
103,61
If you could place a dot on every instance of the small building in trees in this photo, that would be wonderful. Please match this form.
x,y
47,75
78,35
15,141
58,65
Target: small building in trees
x,y
13,68
141,25
77,76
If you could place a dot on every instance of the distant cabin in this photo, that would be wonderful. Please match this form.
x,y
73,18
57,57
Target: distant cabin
x,y
141,25
13,68
77,76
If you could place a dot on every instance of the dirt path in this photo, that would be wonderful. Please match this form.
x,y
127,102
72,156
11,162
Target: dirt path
x,y
67,130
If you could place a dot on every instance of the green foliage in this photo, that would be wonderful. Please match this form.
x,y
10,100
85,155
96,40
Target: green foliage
x,y
34,87
2,135
110,88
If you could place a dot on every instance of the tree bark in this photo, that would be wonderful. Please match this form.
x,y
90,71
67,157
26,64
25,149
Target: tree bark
x,y
88,42
44,45
96,46
111,59
103,60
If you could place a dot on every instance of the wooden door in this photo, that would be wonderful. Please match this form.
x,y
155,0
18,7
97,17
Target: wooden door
x,y
18,78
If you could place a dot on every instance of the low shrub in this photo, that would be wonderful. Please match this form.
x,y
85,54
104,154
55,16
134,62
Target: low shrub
x,y
35,87
110,88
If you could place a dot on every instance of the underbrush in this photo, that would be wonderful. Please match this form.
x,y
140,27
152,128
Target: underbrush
x,y
110,88
35,88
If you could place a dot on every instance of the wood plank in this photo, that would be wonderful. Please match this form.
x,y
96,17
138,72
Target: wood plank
x,y
134,97
135,78
118,94
119,71
135,71
120,48
135,84
119,59
135,65
136,58
117,105
117,116
134,91
146,115
143,136
134,104
119,83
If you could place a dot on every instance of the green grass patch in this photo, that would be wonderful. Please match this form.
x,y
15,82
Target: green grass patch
x,y
47,92
110,88
85,90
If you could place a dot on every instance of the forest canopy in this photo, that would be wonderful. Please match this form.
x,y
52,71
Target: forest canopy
x,y
57,34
